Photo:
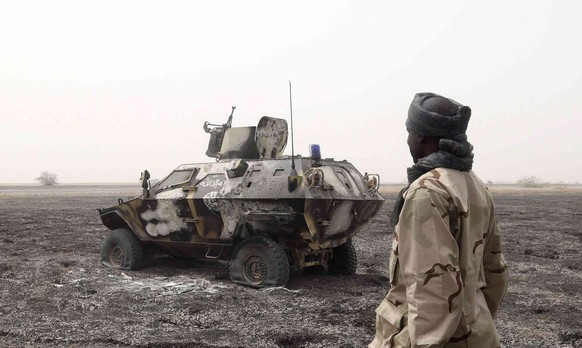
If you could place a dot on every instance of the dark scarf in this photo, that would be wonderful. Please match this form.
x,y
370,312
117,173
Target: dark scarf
x,y
454,153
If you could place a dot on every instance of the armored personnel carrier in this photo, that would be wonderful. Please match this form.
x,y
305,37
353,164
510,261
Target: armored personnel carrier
x,y
265,212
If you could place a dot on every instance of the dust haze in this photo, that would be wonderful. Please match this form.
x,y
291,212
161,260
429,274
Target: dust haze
x,y
96,93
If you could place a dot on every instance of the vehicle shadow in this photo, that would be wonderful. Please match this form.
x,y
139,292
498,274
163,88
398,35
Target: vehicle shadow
x,y
169,266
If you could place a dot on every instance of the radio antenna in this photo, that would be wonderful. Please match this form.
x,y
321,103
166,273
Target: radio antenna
x,y
293,171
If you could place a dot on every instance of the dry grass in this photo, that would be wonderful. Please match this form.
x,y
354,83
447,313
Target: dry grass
x,y
54,292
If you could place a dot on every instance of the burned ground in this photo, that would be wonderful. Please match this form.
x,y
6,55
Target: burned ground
x,y
54,291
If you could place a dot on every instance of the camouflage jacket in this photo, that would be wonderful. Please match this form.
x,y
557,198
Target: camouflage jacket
x,y
447,273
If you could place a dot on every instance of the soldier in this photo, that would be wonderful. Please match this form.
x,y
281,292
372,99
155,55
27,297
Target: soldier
x,y
447,273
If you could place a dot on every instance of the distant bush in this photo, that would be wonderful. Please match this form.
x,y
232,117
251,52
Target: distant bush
x,y
529,181
47,178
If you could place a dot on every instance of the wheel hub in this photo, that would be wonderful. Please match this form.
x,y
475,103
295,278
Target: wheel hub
x,y
117,256
255,270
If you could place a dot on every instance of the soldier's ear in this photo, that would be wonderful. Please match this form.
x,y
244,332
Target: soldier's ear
x,y
420,139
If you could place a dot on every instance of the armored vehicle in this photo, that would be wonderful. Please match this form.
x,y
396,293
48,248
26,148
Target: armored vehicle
x,y
265,212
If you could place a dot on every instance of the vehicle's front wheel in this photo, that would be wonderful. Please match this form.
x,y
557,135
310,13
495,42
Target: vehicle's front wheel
x,y
122,250
344,259
259,262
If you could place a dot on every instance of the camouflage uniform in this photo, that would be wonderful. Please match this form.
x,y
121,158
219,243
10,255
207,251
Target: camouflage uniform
x,y
448,275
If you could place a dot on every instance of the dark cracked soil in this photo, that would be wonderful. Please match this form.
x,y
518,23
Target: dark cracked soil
x,y
54,292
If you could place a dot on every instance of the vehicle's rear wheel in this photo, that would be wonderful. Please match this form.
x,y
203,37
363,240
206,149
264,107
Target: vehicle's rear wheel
x,y
121,249
259,262
344,259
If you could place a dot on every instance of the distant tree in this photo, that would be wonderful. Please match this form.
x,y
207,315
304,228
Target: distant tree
x,y
47,178
529,181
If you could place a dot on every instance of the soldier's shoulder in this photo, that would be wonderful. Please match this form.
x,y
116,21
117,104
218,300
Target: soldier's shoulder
x,y
430,183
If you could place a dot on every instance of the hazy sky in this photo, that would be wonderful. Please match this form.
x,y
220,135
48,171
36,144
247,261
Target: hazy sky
x,y
98,91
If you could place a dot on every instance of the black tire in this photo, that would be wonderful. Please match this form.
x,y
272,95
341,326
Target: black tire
x,y
259,262
122,250
149,251
344,259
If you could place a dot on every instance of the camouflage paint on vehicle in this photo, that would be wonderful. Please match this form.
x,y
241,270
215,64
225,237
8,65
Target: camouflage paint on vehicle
x,y
212,209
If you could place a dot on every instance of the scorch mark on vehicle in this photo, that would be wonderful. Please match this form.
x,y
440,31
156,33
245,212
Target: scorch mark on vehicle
x,y
163,220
